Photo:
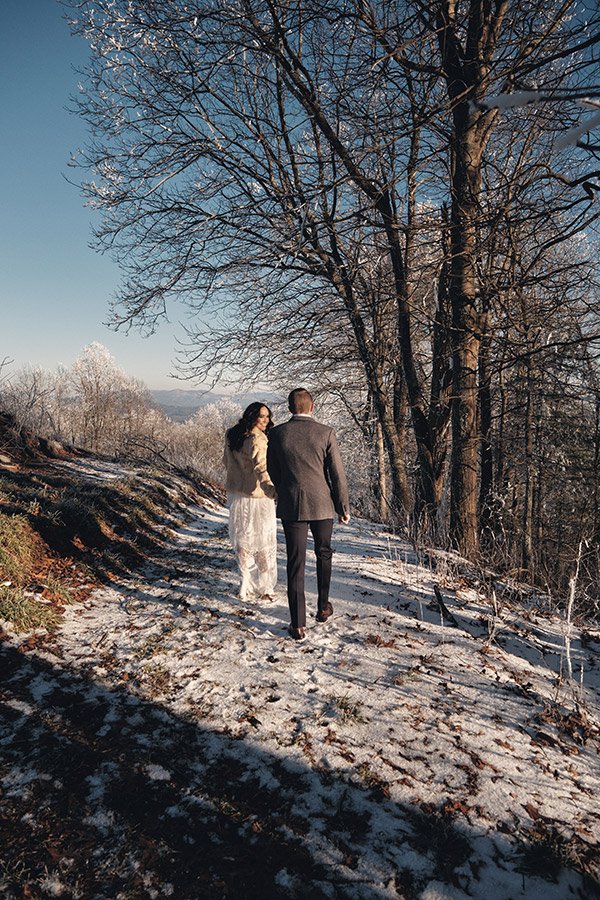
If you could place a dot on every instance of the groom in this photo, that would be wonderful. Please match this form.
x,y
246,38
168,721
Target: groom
x,y
305,466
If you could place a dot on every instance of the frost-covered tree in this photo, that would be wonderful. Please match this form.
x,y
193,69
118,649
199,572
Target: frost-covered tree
x,y
27,396
5,364
108,407
198,443
95,378
97,406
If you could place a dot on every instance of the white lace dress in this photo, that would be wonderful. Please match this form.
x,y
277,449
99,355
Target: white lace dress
x,y
252,522
253,534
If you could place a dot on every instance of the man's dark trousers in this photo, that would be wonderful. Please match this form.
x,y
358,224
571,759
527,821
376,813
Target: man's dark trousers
x,y
296,534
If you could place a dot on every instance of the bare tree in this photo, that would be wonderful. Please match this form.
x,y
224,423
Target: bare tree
x,y
268,164
27,398
5,364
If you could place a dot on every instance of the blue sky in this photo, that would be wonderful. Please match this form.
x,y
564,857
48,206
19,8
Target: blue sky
x,y
54,289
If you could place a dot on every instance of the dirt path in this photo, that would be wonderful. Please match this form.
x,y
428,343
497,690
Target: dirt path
x,y
169,741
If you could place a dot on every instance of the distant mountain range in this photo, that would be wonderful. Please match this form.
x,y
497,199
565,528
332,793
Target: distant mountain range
x,y
179,405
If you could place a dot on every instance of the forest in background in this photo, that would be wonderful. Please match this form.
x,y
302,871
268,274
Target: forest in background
x,y
95,406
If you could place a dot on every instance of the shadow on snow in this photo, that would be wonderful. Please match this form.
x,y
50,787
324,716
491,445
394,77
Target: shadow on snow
x,y
113,795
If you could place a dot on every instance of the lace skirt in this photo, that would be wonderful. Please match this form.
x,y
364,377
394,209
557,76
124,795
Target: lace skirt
x,y
253,535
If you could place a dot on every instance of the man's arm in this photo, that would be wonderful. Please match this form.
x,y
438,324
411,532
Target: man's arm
x,y
337,479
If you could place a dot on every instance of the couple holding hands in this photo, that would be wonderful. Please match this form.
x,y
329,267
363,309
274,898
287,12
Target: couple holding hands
x,y
297,465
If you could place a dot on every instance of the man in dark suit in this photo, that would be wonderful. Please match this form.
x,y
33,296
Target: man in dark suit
x,y
306,468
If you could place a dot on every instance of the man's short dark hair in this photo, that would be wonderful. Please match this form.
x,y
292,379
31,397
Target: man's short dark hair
x,y
300,401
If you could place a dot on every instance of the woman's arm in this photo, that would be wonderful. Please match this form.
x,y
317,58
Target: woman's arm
x,y
259,462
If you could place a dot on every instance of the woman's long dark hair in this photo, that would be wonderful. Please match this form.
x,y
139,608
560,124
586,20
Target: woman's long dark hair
x,y
238,434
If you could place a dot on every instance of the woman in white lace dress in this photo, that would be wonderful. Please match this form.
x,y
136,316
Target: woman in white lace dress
x,y
250,498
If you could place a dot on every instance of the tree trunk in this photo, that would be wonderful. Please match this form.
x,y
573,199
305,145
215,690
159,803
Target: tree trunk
x,y
373,369
418,407
486,485
596,470
527,536
399,504
467,48
382,490
465,338
441,375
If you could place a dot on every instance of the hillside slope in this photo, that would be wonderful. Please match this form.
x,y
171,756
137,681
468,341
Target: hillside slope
x,y
167,740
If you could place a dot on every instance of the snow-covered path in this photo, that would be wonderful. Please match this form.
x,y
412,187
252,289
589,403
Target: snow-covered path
x,y
201,752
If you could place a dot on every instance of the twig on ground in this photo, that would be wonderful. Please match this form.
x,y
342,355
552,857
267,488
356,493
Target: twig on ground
x,y
447,615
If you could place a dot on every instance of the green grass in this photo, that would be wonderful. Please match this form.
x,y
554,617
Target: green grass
x,y
545,852
61,589
24,613
16,549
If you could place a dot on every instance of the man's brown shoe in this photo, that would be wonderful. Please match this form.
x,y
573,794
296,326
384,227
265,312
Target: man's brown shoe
x,y
324,613
297,633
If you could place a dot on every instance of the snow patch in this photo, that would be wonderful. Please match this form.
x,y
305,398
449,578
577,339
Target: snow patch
x,y
157,773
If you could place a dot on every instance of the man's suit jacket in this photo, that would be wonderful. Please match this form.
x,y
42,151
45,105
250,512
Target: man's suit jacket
x,y
306,468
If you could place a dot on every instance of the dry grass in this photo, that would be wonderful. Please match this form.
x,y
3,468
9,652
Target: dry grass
x,y
545,852
60,532
25,613
61,590
17,550
347,710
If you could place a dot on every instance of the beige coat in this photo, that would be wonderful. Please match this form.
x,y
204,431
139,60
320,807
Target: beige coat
x,y
247,468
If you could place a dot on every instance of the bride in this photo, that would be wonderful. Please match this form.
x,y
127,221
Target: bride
x,y
250,498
